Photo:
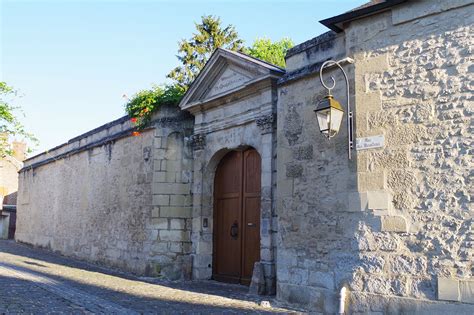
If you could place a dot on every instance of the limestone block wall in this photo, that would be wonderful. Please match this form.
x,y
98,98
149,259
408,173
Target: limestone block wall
x,y
417,91
112,198
171,217
395,224
93,204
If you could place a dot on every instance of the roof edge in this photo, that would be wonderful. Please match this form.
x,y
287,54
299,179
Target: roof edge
x,y
323,38
335,23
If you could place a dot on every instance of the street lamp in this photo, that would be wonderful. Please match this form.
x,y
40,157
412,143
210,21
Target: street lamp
x,y
329,111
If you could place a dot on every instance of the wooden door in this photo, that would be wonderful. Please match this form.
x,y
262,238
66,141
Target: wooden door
x,y
237,216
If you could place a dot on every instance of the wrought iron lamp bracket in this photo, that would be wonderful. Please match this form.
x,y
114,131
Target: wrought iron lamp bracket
x,y
331,86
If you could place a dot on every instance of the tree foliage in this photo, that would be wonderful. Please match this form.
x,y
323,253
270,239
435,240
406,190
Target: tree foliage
x,y
10,125
274,53
194,53
141,106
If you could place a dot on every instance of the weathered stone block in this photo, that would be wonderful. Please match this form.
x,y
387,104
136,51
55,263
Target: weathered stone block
x,y
158,142
448,289
378,200
405,134
161,200
266,254
160,154
160,247
180,200
175,212
171,189
369,181
376,64
394,224
171,176
299,276
203,248
418,9
176,247
160,223
322,279
285,187
177,224
356,201
174,235
467,290
159,177
155,212
368,102
203,261
257,285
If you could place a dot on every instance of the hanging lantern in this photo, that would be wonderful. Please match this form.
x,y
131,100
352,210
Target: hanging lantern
x,y
329,114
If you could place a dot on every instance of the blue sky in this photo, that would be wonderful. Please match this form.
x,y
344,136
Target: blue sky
x,y
73,60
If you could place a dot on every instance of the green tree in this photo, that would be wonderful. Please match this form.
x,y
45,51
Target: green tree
x,y
10,125
274,53
194,53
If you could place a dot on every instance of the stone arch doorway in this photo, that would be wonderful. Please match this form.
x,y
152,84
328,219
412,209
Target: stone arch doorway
x,y
236,236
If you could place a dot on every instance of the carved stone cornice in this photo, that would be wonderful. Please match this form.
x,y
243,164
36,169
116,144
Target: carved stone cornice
x,y
265,123
198,141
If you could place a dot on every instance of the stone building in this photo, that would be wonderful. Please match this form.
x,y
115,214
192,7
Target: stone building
x,y
239,185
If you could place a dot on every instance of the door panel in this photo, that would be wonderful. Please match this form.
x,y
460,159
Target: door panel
x,y
237,216
251,213
228,248
251,236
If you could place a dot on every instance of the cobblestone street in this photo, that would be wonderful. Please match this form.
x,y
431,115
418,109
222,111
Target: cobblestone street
x,y
38,281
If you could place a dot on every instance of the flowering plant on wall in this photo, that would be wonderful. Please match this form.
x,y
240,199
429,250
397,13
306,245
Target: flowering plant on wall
x,y
145,103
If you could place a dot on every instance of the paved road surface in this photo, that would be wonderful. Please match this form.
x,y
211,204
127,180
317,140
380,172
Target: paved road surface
x,y
35,281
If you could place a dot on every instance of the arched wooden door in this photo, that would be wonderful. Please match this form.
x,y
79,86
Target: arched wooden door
x,y
237,216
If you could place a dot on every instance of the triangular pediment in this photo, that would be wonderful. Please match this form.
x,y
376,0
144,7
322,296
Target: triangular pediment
x,y
225,73
229,79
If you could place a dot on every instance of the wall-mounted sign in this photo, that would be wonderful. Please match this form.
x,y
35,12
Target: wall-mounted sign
x,y
370,142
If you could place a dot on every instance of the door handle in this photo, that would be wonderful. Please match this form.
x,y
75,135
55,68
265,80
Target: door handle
x,y
234,230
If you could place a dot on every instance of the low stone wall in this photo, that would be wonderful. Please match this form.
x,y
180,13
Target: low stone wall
x,y
91,198
101,197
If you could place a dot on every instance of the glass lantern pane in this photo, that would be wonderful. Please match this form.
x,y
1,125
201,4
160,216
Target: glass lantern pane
x,y
323,120
336,120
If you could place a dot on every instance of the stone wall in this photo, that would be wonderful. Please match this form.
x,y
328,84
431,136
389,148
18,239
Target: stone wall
x,y
171,217
99,197
394,224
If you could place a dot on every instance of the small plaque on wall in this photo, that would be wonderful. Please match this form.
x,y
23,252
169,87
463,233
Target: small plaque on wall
x,y
370,142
